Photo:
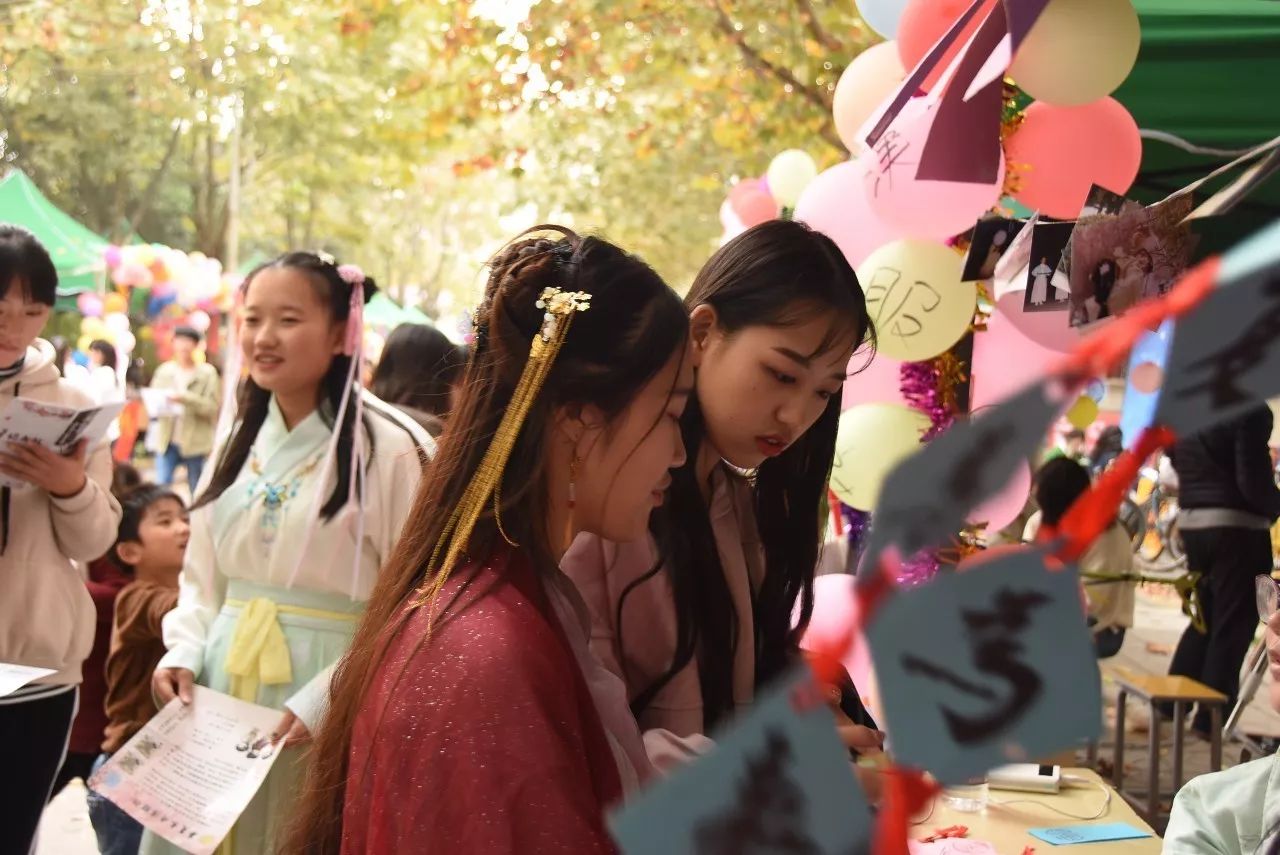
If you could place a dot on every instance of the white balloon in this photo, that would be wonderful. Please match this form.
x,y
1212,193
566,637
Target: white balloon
x,y
788,175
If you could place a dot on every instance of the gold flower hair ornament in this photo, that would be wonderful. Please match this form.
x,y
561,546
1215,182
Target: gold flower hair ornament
x,y
559,308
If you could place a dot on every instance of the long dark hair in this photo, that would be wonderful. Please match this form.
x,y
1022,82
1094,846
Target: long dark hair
x,y
418,368
779,273
106,350
254,402
634,326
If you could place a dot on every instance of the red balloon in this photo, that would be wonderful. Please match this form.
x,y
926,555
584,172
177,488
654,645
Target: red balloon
x,y
1058,153
923,22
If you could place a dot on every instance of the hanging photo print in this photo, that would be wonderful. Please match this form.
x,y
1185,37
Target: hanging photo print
x,y
1048,288
992,236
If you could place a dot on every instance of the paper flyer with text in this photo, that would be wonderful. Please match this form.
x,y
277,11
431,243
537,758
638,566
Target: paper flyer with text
x,y
190,773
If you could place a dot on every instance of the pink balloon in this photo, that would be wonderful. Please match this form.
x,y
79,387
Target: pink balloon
x,y
89,304
1003,508
879,382
834,610
1004,361
835,205
756,207
1048,329
1146,377
752,203
931,210
1060,152
728,219
112,255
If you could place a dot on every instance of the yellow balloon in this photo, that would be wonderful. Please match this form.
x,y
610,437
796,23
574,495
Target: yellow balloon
x,y
872,440
916,299
114,304
1078,51
84,342
1082,412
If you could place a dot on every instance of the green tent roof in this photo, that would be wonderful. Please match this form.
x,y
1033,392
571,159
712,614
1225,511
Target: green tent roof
x,y
76,250
1207,73
382,311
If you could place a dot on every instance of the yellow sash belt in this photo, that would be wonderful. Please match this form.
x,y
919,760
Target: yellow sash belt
x,y
259,654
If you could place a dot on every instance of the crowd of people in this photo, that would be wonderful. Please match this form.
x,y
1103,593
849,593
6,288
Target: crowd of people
x,y
505,587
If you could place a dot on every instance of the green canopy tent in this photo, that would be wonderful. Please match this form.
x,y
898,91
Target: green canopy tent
x,y
414,315
382,311
76,250
1203,91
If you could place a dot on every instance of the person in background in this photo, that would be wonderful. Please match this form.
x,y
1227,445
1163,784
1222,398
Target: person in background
x,y
1237,811
417,374
1071,446
148,552
186,439
1111,603
61,510
133,418
1228,499
106,579
104,376
1106,449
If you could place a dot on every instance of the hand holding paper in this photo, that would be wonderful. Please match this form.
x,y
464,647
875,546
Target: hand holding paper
x,y
59,475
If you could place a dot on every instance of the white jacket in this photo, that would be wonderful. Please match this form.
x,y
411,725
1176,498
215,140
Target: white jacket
x,y
47,618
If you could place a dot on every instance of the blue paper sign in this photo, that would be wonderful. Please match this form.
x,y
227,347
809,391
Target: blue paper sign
x,y
779,780
990,666
1068,834
1225,356
927,497
1139,408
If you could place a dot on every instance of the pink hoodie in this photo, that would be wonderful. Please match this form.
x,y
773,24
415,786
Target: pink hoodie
x,y
641,649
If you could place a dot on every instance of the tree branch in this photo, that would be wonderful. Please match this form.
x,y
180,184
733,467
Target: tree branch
x,y
810,18
153,186
814,95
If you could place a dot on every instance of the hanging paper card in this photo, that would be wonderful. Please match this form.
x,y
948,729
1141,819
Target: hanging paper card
x,y
992,237
986,667
880,121
1226,354
964,142
778,781
1020,15
926,499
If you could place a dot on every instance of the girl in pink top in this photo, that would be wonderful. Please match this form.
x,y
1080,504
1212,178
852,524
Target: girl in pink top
x,y
699,616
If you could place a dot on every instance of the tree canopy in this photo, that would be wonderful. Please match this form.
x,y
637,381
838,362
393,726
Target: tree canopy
x,y
413,137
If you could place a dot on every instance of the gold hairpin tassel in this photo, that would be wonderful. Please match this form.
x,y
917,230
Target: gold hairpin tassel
x,y
558,308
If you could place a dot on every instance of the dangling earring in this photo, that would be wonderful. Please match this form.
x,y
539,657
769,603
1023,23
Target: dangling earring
x,y
573,498
573,481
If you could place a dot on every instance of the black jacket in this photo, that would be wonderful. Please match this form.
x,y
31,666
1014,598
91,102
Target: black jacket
x,y
1229,466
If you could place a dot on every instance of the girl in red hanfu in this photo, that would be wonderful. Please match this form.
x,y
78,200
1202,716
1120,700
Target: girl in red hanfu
x,y
470,716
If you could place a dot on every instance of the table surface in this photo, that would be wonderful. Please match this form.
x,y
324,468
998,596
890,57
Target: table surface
x,y
1005,827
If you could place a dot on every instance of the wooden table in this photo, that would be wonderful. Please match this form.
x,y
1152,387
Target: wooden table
x,y
1005,827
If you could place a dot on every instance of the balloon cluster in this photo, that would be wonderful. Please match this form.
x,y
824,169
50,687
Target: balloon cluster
x,y
897,218
753,201
172,283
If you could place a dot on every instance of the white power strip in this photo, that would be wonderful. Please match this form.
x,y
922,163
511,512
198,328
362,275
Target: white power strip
x,y
1026,777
